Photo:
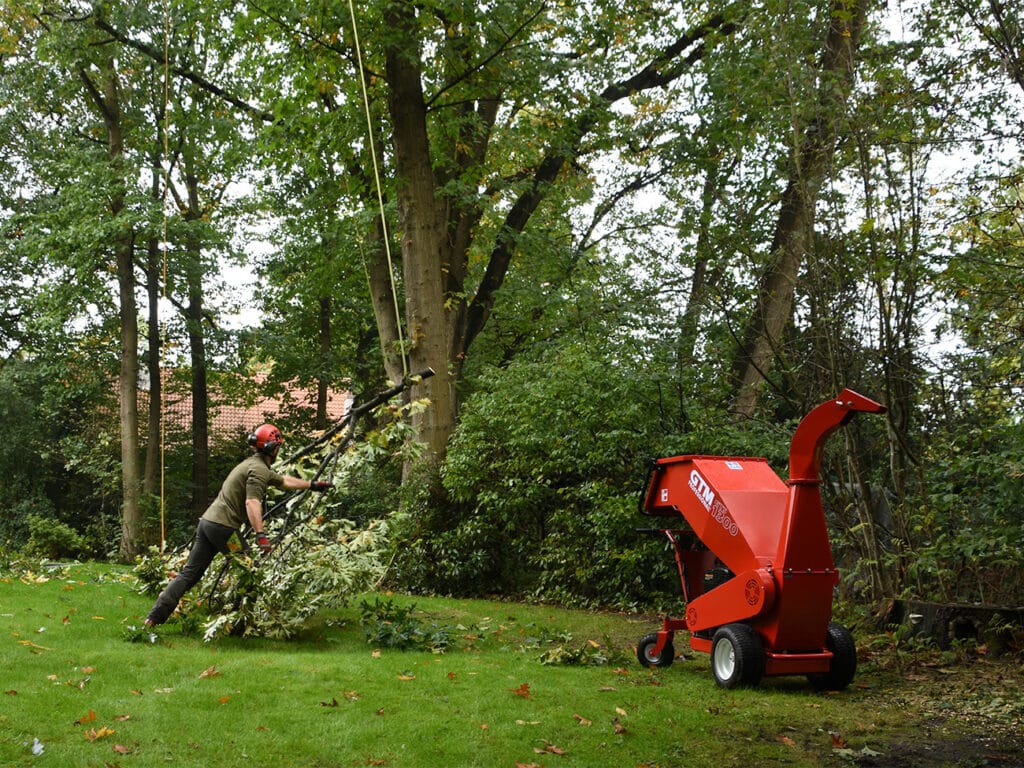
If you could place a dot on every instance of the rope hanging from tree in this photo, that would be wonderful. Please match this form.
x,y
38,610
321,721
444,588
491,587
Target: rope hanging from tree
x,y
163,251
350,419
377,182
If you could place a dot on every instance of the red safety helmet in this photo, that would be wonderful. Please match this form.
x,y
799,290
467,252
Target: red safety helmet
x,y
266,439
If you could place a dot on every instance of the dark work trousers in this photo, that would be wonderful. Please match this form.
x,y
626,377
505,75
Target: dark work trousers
x,y
211,538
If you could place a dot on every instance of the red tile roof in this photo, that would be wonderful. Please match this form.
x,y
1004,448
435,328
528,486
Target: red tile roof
x,y
241,414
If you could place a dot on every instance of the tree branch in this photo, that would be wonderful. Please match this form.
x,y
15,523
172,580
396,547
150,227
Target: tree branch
x,y
193,77
664,69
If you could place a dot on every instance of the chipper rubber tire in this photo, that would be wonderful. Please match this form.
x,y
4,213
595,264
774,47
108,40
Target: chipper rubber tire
x,y
737,656
646,656
844,660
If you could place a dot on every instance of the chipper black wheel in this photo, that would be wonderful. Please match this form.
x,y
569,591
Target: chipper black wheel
x,y
645,652
737,656
844,660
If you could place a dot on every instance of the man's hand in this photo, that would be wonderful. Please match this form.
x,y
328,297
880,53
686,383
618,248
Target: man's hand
x,y
264,543
320,485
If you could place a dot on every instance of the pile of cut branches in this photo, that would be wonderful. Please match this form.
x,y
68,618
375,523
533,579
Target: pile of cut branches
x,y
320,557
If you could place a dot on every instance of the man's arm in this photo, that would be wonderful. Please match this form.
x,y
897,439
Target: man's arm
x,y
254,511
290,483
294,483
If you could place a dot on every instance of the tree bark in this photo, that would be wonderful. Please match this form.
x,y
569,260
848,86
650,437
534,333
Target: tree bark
x,y
107,100
154,421
384,301
194,317
422,230
794,229
323,384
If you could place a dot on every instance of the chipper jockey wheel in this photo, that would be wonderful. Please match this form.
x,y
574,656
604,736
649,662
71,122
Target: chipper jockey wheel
x,y
645,652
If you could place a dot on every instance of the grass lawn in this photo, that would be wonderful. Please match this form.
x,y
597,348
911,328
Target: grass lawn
x,y
75,690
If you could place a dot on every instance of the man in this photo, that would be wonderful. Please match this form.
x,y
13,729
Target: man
x,y
240,500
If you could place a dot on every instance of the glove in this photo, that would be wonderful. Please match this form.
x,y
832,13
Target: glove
x,y
263,543
320,485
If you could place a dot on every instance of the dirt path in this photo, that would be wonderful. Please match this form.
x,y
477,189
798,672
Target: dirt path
x,y
973,715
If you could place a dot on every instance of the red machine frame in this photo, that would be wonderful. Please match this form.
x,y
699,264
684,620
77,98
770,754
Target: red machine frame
x,y
771,615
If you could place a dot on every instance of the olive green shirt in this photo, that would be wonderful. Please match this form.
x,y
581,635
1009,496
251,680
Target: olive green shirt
x,y
248,480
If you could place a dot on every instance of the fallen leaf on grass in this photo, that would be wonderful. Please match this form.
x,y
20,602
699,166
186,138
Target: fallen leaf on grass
x,y
582,720
620,729
88,717
620,711
331,703
783,739
34,647
549,748
838,742
102,732
122,718
79,684
407,676
527,765
121,749
523,690
224,699
210,671
11,692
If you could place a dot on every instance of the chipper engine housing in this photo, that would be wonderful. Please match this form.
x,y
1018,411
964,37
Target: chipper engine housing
x,y
754,559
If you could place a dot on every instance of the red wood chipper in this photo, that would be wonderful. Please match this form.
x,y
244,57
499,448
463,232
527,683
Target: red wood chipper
x,y
754,560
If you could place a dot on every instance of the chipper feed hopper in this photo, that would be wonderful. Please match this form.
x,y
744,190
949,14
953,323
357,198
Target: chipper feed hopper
x,y
754,560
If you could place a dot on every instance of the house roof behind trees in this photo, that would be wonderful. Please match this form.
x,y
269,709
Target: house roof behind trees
x,y
243,408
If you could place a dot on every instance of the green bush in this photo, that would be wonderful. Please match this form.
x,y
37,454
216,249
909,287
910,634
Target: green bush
x,y
543,479
51,539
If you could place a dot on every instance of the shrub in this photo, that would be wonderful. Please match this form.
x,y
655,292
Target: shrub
x,y
51,539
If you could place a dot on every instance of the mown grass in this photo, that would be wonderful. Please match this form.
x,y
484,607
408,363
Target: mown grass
x,y
73,684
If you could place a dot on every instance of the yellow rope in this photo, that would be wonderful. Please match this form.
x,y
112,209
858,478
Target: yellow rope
x,y
163,251
380,193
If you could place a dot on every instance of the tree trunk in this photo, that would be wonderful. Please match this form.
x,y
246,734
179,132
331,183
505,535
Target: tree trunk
x,y
107,100
702,281
385,307
322,382
154,421
422,230
194,316
200,401
793,239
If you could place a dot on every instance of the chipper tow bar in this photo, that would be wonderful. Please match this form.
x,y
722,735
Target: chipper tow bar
x,y
754,560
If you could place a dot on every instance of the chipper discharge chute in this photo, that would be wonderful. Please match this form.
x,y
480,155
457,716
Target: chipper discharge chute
x,y
754,559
